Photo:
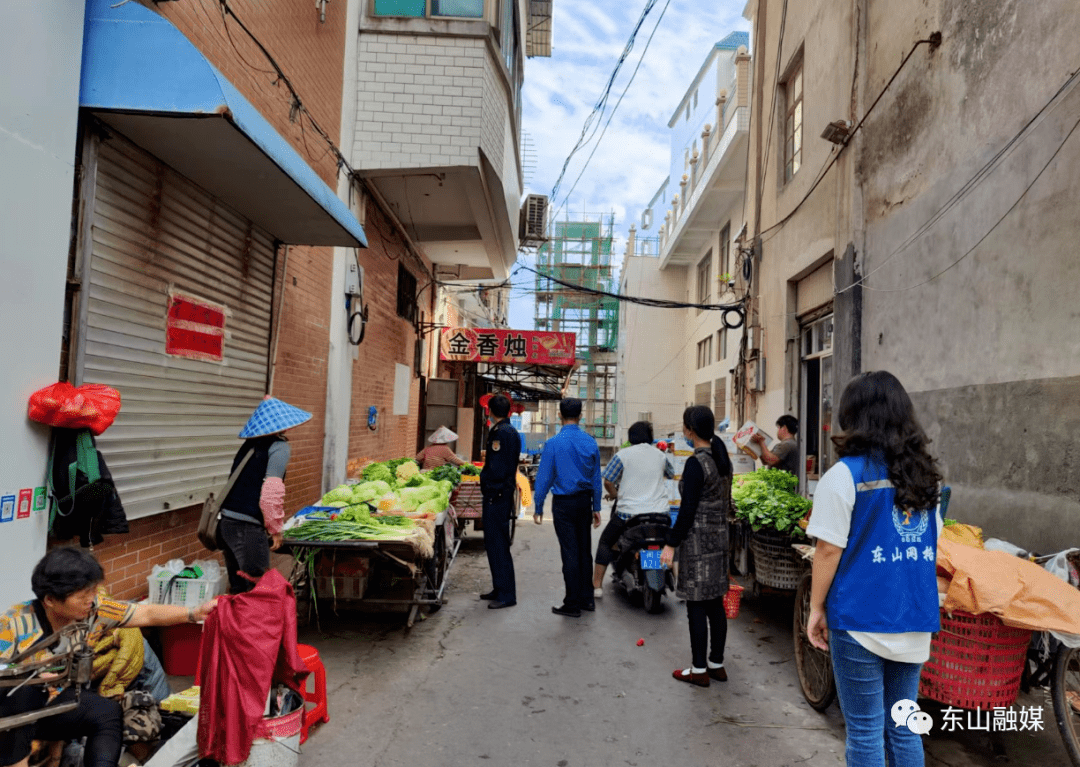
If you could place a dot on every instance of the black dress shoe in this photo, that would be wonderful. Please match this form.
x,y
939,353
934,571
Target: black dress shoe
x,y
497,605
569,612
591,608
489,596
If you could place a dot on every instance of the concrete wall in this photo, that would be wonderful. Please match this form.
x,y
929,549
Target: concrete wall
x,y
38,116
652,355
984,340
989,348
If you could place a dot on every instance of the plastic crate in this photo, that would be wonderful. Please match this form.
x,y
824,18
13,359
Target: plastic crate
x,y
776,564
187,592
976,662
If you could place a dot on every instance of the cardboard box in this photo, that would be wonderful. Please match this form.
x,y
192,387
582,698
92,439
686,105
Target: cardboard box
x,y
742,439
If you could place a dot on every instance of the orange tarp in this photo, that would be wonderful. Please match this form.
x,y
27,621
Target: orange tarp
x,y
1019,592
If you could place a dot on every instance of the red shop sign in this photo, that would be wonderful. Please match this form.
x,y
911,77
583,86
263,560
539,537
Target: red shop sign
x,y
526,347
195,328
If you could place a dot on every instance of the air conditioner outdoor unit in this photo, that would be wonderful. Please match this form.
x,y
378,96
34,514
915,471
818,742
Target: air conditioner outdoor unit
x,y
532,222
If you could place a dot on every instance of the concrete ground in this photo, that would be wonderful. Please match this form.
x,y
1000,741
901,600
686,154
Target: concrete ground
x,y
521,686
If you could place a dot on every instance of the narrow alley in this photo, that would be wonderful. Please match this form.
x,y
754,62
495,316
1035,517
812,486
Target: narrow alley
x,y
521,686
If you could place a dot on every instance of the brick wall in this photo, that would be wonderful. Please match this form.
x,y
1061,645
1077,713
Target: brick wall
x,y
389,341
312,56
421,100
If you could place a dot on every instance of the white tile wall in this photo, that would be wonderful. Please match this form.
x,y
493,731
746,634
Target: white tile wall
x,y
428,101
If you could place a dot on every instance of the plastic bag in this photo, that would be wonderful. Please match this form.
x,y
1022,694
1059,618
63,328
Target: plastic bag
x,y
90,406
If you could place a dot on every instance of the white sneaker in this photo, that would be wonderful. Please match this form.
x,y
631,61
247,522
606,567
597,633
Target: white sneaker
x,y
597,593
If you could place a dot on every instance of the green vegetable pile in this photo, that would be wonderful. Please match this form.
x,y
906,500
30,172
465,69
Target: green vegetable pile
x,y
350,524
468,470
396,485
767,498
447,472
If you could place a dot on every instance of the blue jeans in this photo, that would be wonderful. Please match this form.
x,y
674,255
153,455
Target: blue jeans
x,y
868,686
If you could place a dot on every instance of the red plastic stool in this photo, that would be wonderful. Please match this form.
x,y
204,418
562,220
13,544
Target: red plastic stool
x,y
320,713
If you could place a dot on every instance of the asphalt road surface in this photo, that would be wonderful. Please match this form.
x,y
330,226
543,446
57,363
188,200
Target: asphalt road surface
x,y
521,686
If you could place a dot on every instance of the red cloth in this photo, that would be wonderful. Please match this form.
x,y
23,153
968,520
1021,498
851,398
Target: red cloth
x,y
248,644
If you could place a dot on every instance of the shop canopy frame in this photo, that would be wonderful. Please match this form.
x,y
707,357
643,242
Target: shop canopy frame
x,y
528,382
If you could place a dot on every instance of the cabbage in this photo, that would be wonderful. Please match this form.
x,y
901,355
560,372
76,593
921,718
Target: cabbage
x,y
430,507
342,493
369,491
377,471
406,470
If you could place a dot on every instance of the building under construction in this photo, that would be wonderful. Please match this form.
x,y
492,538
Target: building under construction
x,y
576,260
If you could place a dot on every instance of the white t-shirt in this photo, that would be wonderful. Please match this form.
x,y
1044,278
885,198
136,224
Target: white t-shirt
x,y
642,489
834,501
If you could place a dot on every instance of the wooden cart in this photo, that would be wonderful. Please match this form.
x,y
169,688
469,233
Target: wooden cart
x,y
374,576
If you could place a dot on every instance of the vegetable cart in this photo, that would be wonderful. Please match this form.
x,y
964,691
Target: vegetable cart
x,y
374,575
976,662
767,516
467,504
384,542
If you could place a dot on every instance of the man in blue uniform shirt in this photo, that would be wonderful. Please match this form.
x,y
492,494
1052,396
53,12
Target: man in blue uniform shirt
x,y
570,471
498,481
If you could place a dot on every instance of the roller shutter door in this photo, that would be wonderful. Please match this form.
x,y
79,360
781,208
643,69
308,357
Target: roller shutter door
x,y
157,238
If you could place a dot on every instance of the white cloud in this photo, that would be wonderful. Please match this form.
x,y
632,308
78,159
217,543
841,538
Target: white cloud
x,y
634,156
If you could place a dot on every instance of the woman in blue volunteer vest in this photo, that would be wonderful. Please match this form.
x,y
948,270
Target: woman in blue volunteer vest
x,y
874,599
253,513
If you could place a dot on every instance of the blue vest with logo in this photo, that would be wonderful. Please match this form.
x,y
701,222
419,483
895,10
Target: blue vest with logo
x,y
886,581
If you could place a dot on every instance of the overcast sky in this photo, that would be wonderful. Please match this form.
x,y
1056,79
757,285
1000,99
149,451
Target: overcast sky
x,y
632,159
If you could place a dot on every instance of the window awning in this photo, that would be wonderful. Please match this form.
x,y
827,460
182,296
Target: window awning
x,y
144,78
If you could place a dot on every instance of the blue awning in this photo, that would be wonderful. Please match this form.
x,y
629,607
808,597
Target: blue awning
x,y
144,78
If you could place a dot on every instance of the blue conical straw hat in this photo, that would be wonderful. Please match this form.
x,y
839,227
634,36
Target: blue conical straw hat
x,y
271,416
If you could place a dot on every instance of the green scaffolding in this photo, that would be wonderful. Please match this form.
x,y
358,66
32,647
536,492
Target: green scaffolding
x,y
579,253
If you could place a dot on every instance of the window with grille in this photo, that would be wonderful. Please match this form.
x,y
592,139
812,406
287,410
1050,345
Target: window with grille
x,y
406,293
725,254
793,109
704,279
704,353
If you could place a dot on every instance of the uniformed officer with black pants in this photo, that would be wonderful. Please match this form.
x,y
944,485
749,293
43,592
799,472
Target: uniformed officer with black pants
x,y
498,481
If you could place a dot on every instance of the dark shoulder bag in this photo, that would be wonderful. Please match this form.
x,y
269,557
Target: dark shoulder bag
x,y
211,510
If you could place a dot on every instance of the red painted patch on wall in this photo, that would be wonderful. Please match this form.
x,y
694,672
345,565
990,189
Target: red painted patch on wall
x,y
195,329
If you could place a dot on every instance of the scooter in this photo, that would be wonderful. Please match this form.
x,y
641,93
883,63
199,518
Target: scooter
x,y
637,565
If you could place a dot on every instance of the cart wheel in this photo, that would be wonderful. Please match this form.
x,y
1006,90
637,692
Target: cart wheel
x,y
1065,687
813,665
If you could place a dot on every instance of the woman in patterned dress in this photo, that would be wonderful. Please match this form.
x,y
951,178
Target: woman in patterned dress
x,y
700,534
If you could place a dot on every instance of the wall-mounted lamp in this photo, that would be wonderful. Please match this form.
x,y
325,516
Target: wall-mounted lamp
x,y
837,132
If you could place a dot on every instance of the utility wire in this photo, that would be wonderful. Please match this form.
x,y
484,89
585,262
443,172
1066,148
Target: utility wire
x,y
601,103
933,41
614,109
658,303
977,179
997,223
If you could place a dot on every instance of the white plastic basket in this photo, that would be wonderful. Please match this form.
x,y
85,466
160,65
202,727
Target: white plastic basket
x,y
186,592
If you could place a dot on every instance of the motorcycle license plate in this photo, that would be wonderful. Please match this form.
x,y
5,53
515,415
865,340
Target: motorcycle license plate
x,y
650,559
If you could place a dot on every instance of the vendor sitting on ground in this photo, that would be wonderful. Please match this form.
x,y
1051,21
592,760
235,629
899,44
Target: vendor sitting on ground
x,y
65,583
438,453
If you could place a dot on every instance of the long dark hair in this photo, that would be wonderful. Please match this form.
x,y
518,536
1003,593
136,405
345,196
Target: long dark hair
x,y
699,419
877,419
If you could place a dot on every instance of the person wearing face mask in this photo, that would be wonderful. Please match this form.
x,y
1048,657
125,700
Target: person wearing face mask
x,y
700,535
